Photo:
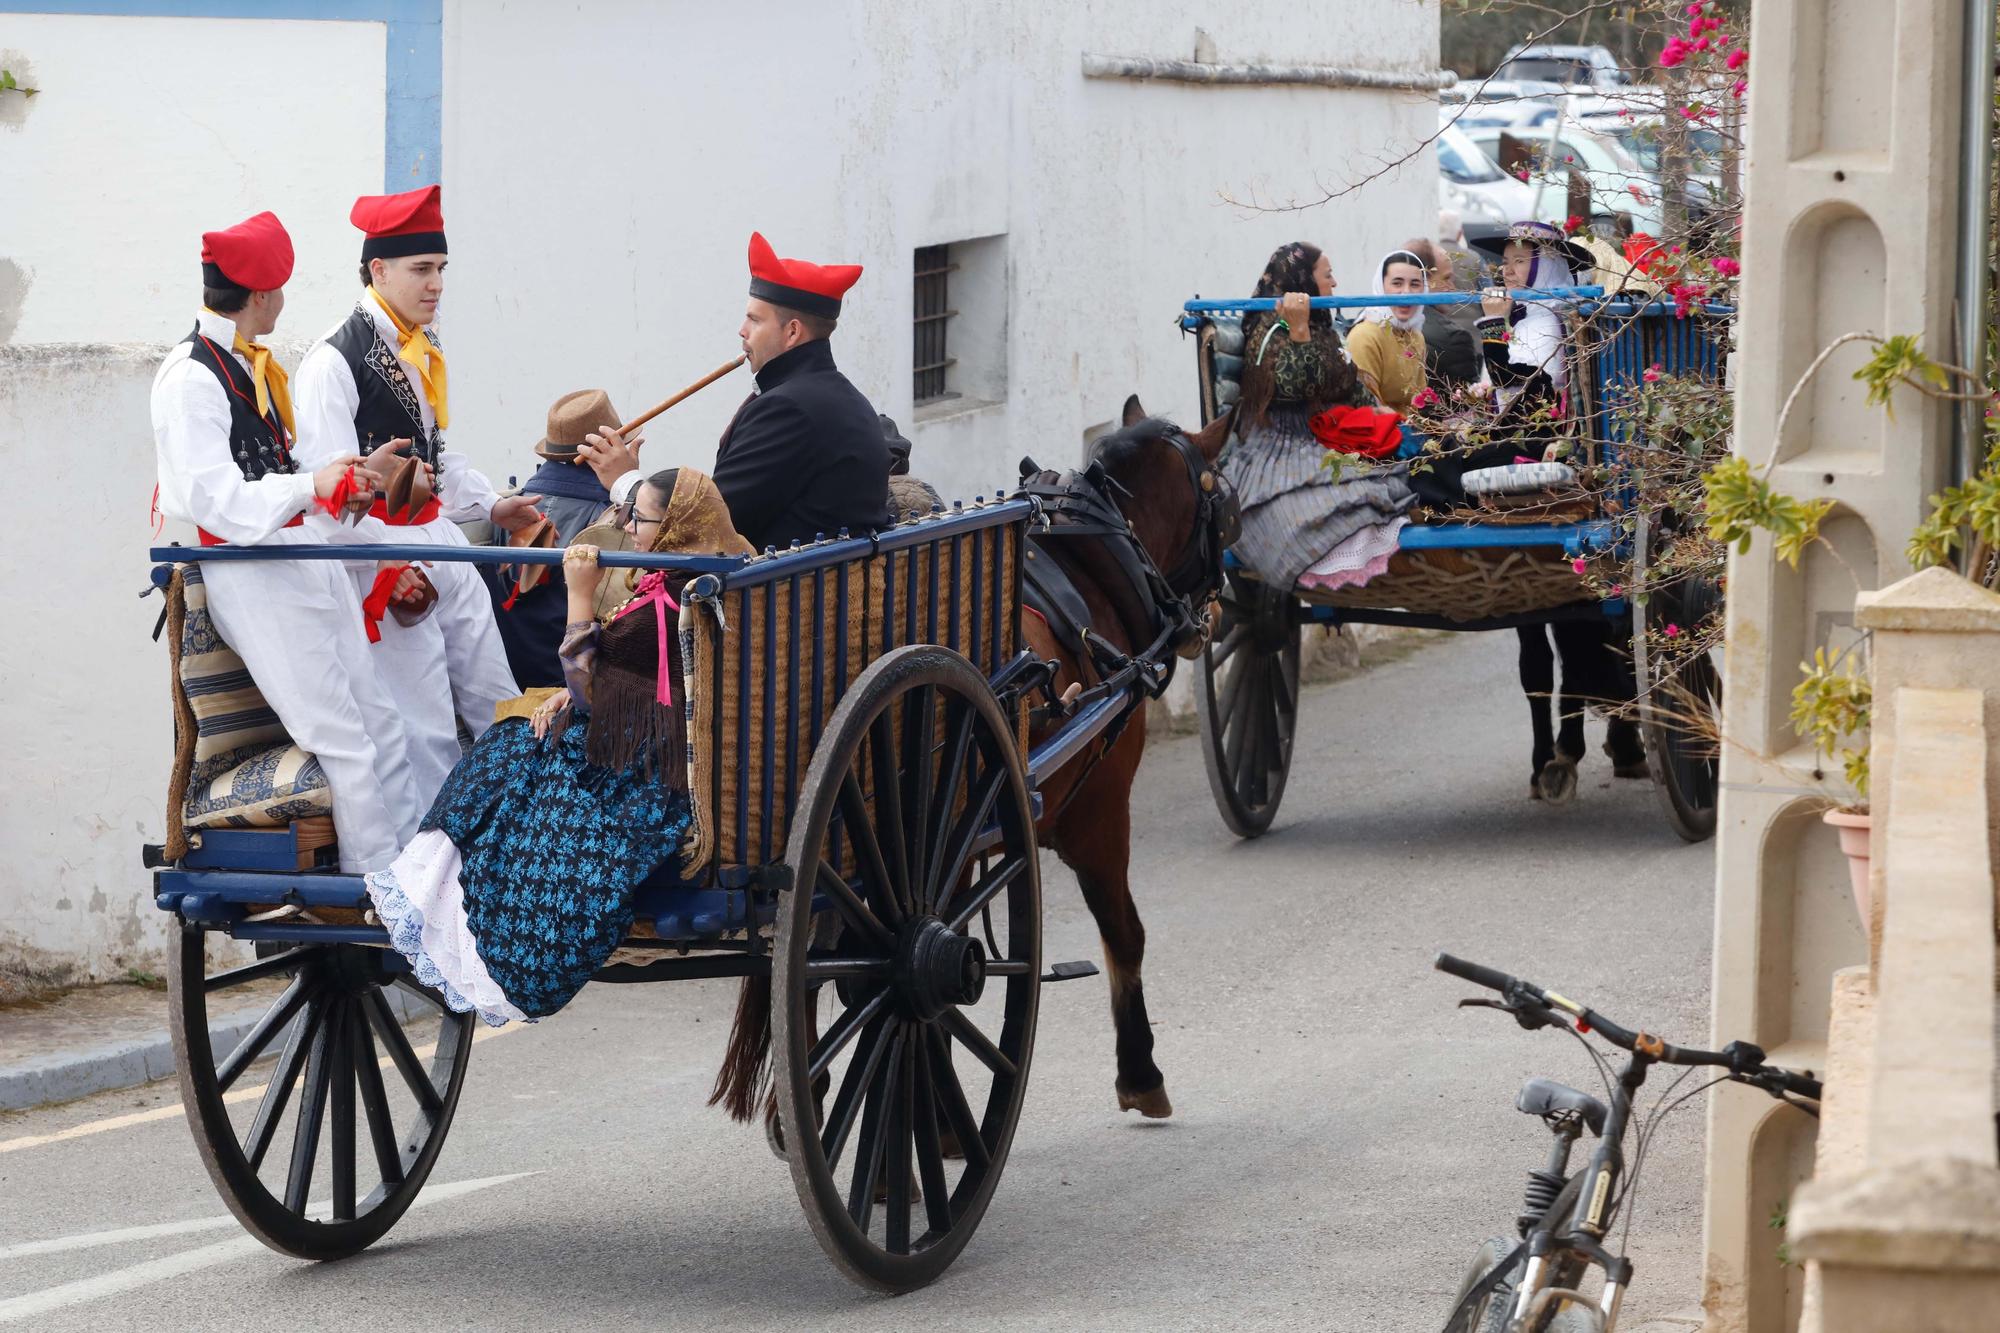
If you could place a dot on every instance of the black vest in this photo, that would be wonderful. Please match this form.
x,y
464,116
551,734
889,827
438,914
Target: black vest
x,y
257,442
390,408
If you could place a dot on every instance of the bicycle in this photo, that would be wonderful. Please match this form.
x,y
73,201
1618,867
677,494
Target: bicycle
x,y
1533,1286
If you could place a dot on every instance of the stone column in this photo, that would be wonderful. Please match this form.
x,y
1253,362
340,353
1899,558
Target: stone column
x,y
1851,187
1900,1225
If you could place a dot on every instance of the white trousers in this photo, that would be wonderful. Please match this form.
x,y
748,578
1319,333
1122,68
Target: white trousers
x,y
297,626
449,665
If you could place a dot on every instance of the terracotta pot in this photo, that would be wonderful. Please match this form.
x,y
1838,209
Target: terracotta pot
x,y
1854,827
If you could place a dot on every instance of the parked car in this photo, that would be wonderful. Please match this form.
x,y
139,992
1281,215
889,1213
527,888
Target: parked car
x,y
1618,184
1640,135
1505,102
1571,66
1471,183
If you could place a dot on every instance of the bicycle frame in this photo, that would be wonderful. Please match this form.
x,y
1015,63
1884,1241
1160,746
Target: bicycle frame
x,y
1588,1220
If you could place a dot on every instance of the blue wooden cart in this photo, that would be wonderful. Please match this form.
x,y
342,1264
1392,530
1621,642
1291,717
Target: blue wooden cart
x,y
1474,572
865,802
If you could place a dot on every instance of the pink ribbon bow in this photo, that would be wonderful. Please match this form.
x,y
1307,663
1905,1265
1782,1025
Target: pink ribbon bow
x,y
652,590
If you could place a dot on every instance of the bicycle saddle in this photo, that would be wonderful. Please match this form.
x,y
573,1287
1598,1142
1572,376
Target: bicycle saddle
x,y
1545,1097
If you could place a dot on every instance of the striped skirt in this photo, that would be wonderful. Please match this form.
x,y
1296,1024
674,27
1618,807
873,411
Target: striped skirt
x,y
1295,507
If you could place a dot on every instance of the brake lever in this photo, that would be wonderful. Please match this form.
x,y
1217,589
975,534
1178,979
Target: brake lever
x,y
1529,1018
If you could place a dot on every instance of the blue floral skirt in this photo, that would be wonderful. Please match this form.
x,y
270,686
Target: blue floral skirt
x,y
549,849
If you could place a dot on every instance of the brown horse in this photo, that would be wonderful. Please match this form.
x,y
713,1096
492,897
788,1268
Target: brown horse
x,y
1166,488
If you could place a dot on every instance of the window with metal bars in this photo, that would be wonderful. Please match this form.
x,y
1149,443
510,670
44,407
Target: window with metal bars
x,y
933,362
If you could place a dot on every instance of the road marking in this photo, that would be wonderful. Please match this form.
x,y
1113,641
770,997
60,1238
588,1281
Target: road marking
x,y
122,1280
174,1108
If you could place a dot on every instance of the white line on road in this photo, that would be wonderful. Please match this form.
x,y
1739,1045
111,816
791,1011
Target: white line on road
x,y
172,1110
122,1280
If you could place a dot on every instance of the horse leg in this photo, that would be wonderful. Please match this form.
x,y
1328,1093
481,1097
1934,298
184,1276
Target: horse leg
x,y
1093,836
1538,682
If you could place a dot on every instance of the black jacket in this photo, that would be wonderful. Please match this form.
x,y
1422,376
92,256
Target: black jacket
x,y
805,455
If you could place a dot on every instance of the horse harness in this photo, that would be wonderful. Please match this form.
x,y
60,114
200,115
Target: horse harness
x,y
1081,507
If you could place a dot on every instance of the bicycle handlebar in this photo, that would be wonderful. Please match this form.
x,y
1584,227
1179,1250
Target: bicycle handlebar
x,y
1744,1061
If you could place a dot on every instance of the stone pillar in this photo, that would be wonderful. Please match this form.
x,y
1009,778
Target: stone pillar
x,y
1900,1225
1851,187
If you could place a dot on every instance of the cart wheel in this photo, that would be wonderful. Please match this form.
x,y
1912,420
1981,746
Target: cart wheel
x,y
1248,704
341,1031
926,967
1682,711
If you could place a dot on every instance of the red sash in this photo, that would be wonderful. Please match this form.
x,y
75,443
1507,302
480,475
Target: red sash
x,y
431,510
210,539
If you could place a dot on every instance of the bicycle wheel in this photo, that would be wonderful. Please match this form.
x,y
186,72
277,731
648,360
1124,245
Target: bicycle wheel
x,y
1491,1312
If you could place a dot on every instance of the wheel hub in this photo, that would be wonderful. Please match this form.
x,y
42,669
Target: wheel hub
x,y
936,967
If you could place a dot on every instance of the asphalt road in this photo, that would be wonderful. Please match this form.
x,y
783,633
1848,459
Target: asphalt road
x,y
1343,1137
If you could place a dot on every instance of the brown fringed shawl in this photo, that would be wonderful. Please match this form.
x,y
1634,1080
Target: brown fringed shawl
x,y
637,714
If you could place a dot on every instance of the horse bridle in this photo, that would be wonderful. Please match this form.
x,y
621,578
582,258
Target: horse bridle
x,y
1084,504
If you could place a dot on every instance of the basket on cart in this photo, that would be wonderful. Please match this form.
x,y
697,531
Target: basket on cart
x,y
1489,565
864,839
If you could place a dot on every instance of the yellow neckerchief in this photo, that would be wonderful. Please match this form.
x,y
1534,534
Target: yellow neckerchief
x,y
423,355
272,384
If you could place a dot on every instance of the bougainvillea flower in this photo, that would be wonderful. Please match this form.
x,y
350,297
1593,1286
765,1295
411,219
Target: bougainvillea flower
x,y
1738,58
1727,267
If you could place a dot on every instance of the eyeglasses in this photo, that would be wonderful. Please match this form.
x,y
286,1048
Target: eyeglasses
x,y
628,515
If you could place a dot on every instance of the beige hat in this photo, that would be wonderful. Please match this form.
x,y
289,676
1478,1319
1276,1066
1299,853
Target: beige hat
x,y
574,416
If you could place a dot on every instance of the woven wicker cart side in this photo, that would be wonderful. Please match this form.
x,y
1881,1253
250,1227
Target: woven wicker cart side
x,y
768,661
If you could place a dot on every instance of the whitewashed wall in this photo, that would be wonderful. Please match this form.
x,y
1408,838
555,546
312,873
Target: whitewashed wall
x,y
602,175
135,147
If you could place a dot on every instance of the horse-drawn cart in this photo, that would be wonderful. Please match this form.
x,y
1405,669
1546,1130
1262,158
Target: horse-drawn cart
x,y
1478,570
865,798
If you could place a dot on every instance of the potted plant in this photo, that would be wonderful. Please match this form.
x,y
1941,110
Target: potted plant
x,y
1831,706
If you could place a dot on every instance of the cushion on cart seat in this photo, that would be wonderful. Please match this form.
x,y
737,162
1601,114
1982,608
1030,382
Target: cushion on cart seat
x,y
234,766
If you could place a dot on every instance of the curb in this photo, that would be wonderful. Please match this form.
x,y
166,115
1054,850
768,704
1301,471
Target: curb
x,y
125,1063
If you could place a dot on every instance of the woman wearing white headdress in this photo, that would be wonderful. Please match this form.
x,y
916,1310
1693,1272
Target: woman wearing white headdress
x,y
1387,346
1523,340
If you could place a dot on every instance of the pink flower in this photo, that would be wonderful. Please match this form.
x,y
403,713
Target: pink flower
x,y
1741,84
1727,267
1425,397
1579,565
1694,8
1702,45
1617,590
1675,52
1673,631
1652,374
1738,58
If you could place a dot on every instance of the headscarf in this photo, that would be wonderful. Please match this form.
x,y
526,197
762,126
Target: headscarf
x,y
638,649
1385,314
1536,337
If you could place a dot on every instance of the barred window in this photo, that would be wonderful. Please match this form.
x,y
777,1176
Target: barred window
x,y
933,362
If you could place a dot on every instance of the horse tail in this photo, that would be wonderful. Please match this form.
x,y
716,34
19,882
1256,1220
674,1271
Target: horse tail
x,y
746,1064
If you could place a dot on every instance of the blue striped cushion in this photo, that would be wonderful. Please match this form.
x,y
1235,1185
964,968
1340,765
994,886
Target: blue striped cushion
x,y
246,773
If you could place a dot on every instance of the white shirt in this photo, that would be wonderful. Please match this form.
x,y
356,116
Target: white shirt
x,y
326,398
200,481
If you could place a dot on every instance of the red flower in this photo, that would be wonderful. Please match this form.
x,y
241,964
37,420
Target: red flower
x,y
1425,397
1574,222
1738,58
1652,373
1727,267
1673,630
1675,52
1741,84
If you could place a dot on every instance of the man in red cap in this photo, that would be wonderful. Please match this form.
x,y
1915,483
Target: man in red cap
x,y
223,432
377,379
806,456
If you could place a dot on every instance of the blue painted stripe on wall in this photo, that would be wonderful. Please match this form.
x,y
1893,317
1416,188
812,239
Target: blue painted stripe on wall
x,y
413,116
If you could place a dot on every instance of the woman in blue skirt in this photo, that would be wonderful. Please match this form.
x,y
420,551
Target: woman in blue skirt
x,y
519,885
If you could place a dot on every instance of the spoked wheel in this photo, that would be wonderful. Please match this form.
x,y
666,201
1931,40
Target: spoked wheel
x,y
303,1183
1248,705
1682,709
911,996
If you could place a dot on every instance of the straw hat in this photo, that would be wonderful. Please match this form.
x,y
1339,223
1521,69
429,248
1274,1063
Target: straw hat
x,y
574,416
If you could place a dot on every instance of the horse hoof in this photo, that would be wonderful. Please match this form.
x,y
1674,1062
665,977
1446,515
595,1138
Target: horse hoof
x,y
1152,1104
1556,783
1625,764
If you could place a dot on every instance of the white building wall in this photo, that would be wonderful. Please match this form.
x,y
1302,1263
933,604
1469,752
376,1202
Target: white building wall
x,y
599,232
604,166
